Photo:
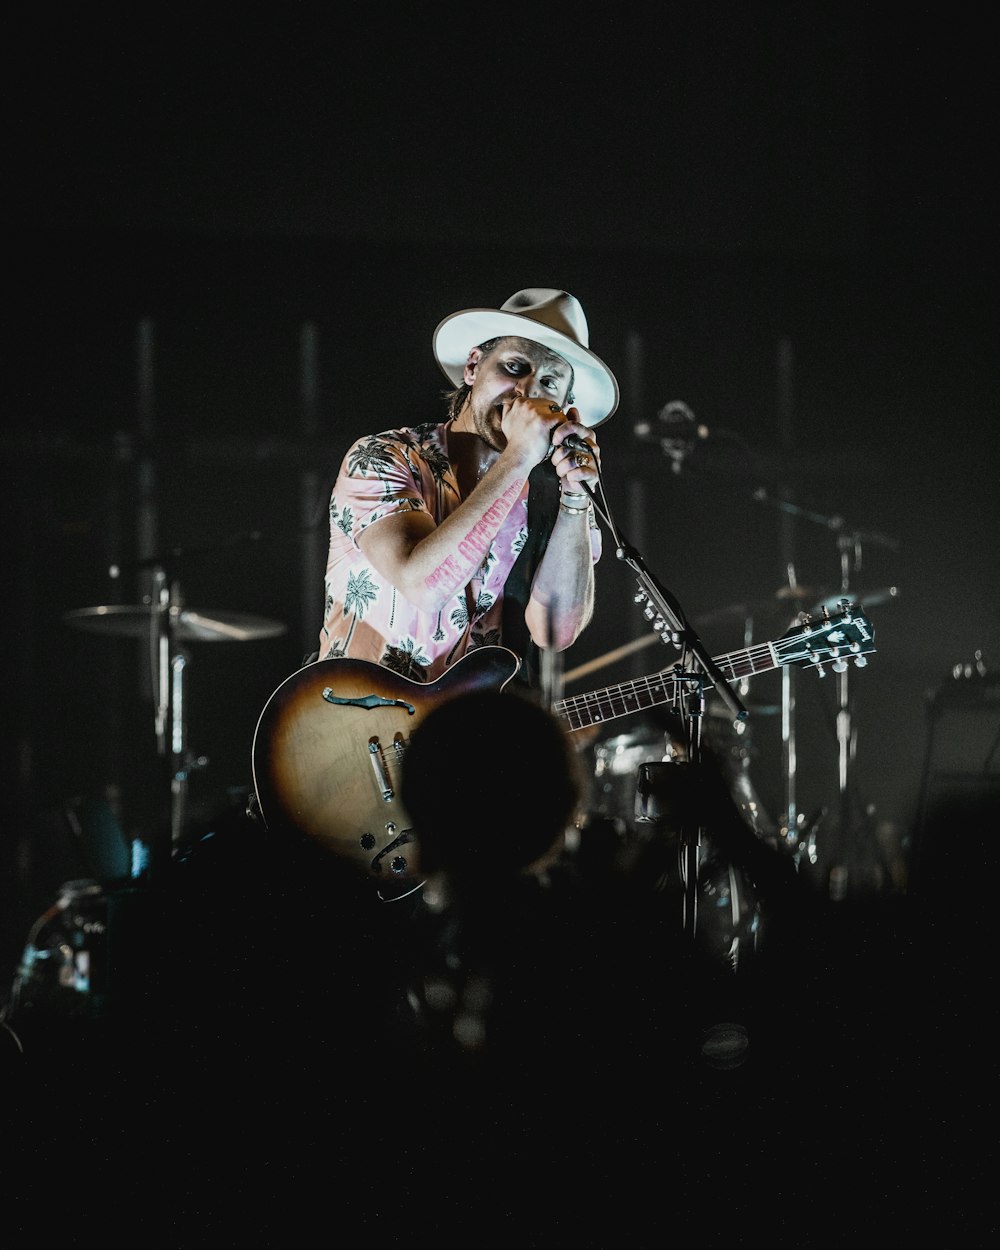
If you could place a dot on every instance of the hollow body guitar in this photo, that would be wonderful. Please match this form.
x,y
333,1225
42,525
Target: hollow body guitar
x,y
329,744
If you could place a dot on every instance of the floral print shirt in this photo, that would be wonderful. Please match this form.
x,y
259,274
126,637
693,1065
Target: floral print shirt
x,y
365,617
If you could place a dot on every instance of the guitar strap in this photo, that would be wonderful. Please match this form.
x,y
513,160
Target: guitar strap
x,y
543,507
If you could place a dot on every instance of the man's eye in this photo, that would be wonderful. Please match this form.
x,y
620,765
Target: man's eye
x,y
516,367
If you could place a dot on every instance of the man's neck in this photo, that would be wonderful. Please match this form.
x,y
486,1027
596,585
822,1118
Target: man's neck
x,y
470,455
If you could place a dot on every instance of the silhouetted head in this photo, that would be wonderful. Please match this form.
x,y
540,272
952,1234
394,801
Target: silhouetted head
x,y
491,784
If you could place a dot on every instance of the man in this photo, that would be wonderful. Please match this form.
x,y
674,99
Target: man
x,y
437,544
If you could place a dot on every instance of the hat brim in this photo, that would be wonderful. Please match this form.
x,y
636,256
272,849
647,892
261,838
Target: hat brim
x,y
595,388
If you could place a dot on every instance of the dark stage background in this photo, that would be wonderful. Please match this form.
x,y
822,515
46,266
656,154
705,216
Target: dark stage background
x,y
229,251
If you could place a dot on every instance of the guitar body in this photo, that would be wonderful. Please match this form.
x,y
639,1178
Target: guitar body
x,y
329,745
328,752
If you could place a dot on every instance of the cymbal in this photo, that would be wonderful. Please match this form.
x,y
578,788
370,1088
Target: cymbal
x,y
779,601
717,709
796,594
126,621
868,598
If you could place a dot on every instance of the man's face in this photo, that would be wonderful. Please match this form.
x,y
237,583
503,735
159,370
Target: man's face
x,y
513,365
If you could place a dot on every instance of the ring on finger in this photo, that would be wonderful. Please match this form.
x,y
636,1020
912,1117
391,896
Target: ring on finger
x,y
581,459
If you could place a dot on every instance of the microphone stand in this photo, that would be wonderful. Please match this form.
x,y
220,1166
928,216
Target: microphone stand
x,y
669,621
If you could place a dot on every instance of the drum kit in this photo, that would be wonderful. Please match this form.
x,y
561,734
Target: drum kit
x,y
629,772
64,969
615,759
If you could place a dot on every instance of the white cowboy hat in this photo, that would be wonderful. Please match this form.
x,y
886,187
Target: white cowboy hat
x,y
552,318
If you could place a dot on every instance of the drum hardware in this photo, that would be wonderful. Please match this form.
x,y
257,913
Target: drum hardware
x,y
616,763
62,971
802,842
86,966
853,853
729,909
168,624
850,546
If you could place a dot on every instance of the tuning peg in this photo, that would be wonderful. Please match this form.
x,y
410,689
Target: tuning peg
x,y
839,665
860,661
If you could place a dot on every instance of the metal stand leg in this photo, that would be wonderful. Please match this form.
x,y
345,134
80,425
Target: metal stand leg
x,y
171,711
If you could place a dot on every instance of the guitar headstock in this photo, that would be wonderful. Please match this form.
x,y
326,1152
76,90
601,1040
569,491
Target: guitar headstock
x,y
834,640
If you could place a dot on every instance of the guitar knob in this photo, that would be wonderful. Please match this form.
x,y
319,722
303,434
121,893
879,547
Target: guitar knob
x,y
366,841
397,865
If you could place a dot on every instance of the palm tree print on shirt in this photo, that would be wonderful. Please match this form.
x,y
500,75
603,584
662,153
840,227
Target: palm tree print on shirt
x,y
487,638
344,521
460,617
437,462
361,593
370,456
406,659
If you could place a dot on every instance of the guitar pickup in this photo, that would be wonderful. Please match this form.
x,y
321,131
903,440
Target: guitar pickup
x,y
380,770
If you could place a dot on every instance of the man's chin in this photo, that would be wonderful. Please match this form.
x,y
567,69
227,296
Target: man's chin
x,y
492,430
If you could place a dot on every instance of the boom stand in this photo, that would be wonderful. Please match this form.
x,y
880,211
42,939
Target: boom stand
x,y
668,620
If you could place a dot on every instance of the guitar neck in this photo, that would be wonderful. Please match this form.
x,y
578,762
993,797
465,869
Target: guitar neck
x,y
629,697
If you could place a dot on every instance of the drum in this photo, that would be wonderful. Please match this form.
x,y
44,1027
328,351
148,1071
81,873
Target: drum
x,y
616,767
728,908
729,913
732,743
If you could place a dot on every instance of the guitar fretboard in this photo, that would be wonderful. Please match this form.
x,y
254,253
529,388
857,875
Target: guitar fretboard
x,y
629,697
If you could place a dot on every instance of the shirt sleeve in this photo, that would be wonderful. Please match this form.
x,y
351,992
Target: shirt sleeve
x,y
377,479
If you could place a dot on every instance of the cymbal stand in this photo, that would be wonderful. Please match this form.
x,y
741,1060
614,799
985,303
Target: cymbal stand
x,y
842,875
171,661
796,829
849,547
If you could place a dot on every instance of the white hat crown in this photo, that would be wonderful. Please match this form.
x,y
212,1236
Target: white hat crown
x,y
545,315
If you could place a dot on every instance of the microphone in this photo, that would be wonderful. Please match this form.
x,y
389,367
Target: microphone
x,y
677,431
575,443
